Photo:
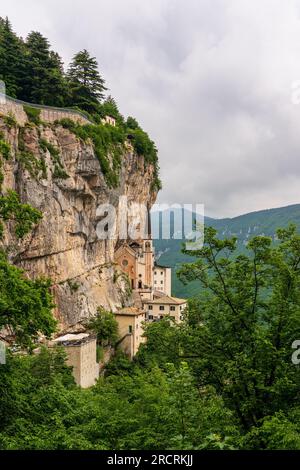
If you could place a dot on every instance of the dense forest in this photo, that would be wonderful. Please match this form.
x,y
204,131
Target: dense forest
x,y
222,379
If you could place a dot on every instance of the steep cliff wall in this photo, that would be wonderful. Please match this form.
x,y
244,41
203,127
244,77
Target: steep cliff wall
x,y
64,245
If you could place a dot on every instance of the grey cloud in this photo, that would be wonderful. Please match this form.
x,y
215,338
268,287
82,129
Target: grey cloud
x,y
208,79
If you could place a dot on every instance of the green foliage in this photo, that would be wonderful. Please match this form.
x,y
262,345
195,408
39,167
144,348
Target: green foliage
x,y
11,59
163,344
105,326
86,84
34,73
23,216
249,319
45,82
66,123
60,173
278,432
9,120
54,152
5,149
221,380
145,147
110,108
140,410
132,123
33,114
99,353
25,305
36,167
108,144
119,364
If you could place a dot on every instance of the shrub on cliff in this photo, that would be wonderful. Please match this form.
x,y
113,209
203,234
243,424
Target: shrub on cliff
x,y
105,325
25,304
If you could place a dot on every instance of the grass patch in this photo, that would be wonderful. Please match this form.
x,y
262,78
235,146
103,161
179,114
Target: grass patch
x,y
54,152
4,149
60,173
10,120
33,114
108,142
36,167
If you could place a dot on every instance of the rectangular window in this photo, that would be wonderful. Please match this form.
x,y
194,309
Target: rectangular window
x,y
130,329
161,282
150,317
172,308
161,307
150,307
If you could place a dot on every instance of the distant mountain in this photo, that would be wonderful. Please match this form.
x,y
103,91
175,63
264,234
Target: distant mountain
x,y
244,227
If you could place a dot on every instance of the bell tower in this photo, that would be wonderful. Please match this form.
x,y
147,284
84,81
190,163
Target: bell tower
x,y
148,252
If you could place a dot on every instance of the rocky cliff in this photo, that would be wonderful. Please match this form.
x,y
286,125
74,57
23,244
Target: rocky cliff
x,y
64,246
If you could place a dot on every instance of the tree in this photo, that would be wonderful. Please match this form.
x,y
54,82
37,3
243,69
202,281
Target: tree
x,y
132,123
163,343
109,107
249,317
45,82
11,59
105,326
25,305
85,82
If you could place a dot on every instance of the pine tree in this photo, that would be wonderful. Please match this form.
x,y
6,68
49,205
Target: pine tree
x,y
45,83
110,107
85,81
11,58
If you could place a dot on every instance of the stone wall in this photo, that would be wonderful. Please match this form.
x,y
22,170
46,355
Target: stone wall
x,y
49,115
82,358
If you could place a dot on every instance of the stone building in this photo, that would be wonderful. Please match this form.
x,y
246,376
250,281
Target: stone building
x,y
81,350
165,306
162,279
136,259
130,321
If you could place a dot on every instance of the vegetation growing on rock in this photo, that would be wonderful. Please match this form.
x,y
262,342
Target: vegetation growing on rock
x,y
34,73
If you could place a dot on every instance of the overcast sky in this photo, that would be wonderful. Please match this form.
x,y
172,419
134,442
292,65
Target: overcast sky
x,y
210,80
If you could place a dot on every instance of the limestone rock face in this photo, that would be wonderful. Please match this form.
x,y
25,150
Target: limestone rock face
x,y
64,246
